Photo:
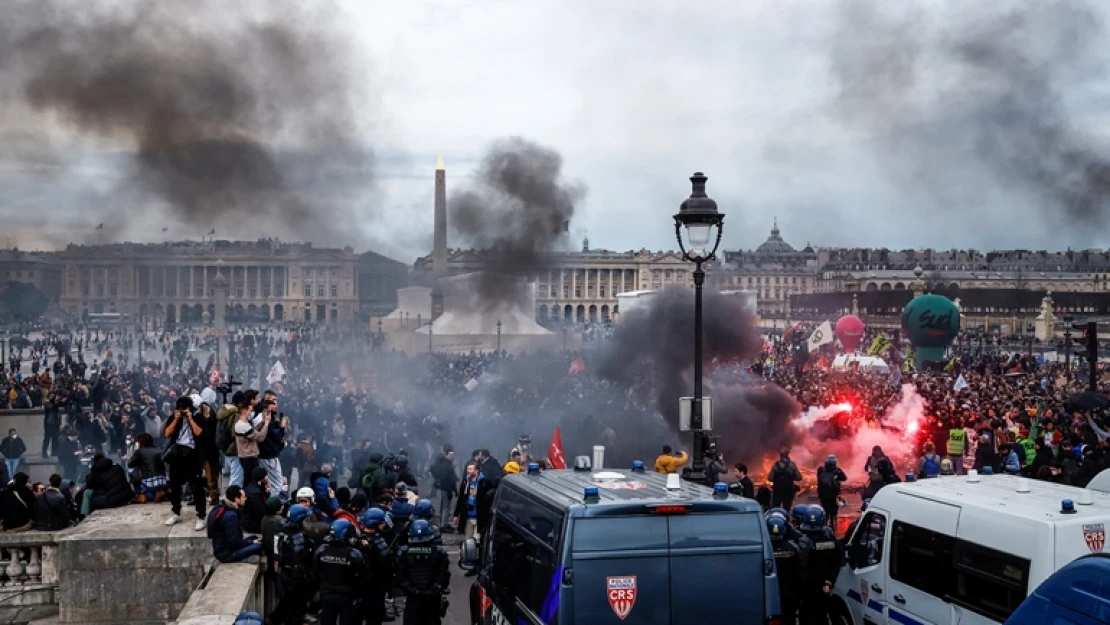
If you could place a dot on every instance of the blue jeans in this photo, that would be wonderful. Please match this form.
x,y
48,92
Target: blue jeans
x,y
243,553
13,466
273,473
236,470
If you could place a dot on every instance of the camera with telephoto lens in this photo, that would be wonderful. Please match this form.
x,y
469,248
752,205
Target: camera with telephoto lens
x,y
228,387
710,449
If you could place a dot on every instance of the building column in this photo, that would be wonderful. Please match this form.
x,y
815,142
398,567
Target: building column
x,y
574,284
258,281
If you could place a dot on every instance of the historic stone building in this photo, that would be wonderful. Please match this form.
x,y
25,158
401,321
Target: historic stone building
x,y
889,270
40,269
582,286
379,278
172,281
773,272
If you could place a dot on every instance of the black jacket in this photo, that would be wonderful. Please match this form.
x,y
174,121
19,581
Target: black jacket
x,y
225,532
19,506
108,482
443,472
254,510
52,511
147,462
12,448
271,446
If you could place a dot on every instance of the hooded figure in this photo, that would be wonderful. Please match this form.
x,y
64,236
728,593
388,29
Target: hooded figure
x,y
373,478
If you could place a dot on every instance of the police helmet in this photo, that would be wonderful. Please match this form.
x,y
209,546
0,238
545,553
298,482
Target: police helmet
x,y
342,529
306,493
420,532
814,518
424,510
298,513
249,618
776,525
799,513
866,502
373,517
779,512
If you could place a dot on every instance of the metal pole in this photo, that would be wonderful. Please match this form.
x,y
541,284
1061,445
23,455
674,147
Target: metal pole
x,y
695,411
430,338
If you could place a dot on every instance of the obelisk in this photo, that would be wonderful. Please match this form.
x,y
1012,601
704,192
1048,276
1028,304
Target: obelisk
x,y
439,243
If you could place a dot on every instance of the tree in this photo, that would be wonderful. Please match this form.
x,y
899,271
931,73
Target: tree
x,y
24,301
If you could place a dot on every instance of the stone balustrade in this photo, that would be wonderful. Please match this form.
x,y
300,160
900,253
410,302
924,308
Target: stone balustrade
x,y
28,570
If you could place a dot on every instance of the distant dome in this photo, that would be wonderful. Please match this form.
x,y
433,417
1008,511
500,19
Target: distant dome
x,y
774,243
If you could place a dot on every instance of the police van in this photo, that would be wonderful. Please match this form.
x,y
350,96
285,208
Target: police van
x,y
607,547
965,549
1075,595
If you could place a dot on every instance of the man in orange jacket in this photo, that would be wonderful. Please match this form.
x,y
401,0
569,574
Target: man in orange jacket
x,y
669,462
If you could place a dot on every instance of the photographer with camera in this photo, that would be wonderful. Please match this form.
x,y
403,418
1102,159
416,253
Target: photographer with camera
x,y
714,463
181,431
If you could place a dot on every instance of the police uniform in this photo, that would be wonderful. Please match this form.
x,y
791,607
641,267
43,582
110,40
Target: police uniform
x,y
824,557
423,573
341,568
790,563
378,579
294,567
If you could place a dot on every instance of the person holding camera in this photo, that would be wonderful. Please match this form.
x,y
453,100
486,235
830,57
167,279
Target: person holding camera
x,y
181,431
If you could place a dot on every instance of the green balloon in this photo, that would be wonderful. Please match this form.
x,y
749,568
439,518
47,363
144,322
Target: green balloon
x,y
931,321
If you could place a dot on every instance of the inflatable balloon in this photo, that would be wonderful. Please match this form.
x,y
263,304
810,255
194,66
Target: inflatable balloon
x,y
849,330
931,322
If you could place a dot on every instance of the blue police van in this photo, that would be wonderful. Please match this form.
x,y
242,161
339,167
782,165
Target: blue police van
x,y
607,547
1078,594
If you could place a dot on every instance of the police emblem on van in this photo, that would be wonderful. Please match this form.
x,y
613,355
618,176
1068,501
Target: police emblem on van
x,y
1095,536
622,594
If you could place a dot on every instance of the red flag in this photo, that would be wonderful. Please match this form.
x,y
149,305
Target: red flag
x,y
215,375
555,455
576,367
796,326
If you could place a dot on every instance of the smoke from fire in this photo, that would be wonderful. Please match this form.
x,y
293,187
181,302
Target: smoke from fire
x,y
238,117
971,105
652,351
515,208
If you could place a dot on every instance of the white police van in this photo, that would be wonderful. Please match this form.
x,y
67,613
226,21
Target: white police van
x,y
963,550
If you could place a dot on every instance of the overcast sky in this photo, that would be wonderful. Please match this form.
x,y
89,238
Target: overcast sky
x,y
854,125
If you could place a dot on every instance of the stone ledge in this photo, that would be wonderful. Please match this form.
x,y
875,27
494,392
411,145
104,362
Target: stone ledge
x,y
229,590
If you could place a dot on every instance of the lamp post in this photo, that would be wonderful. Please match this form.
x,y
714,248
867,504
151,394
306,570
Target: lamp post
x,y
1067,345
430,335
498,336
699,215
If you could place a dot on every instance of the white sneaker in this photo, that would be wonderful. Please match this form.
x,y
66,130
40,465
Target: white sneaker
x,y
199,525
173,519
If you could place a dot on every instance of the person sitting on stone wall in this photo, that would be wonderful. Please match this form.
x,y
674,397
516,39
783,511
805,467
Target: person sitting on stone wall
x,y
148,475
228,543
53,511
106,486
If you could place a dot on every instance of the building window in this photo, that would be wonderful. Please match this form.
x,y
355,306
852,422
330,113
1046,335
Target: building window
x,y
566,292
921,559
578,291
656,273
308,272
198,291
112,289
308,290
319,290
239,291
749,280
335,290
553,291
670,274
100,290
335,272
680,274
265,290
601,291
254,292
776,279
794,280
279,290
30,274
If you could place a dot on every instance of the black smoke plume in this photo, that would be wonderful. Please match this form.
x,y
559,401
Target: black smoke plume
x,y
653,349
240,118
516,209
976,104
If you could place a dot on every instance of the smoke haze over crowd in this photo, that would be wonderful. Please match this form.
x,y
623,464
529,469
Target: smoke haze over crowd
x,y
234,117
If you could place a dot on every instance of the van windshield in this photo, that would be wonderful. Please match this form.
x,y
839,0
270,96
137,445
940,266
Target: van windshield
x,y
662,532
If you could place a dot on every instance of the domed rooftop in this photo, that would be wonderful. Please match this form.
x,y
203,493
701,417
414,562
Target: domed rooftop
x,y
774,243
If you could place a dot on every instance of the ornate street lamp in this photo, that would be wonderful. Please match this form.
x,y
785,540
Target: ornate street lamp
x,y
498,336
699,216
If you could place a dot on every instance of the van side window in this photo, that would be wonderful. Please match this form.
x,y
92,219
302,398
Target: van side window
x,y
921,558
523,568
989,582
539,520
867,546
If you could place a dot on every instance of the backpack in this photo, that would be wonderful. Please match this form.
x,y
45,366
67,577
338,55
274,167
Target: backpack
x,y
782,479
931,467
370,485
214,520
224,439
827,486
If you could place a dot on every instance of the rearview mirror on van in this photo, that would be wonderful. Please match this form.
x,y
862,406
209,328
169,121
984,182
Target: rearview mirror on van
x,y
468,555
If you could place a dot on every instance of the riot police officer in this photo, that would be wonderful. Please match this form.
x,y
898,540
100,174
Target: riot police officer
x,y
423,573
425,510
790,562
792,532
378,578
824,557
294,567
341,568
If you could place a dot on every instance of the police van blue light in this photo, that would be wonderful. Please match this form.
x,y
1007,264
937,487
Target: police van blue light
x,y
533,468
638,466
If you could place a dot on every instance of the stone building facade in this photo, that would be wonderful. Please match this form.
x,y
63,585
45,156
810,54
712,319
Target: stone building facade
x,y
40,269
172,281
582,286
773,272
